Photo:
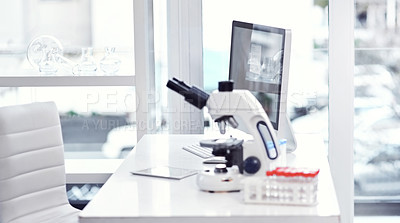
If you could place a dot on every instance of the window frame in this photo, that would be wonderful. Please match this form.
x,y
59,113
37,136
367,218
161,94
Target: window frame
x,y
185,62
341,103
144,65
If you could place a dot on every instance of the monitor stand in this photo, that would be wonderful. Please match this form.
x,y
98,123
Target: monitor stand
x,y
286,132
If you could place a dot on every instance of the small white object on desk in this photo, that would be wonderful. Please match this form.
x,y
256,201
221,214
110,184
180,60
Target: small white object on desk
x,y
165,172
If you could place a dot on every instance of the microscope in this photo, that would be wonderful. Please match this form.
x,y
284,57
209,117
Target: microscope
x,y
235,108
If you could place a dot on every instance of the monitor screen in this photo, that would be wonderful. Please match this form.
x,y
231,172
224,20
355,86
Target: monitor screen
x,y
256,64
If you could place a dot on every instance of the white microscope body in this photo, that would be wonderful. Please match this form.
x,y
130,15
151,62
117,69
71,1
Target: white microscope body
x,y
245,108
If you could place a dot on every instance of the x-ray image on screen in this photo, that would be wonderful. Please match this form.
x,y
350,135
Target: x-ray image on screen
x,y
264,57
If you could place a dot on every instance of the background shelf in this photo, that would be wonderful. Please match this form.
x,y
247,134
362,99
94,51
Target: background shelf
x,y
43,81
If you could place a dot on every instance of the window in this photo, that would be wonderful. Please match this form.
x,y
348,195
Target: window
x,y
97,104
376,105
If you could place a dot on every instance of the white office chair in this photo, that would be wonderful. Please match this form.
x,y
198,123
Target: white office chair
x,y
32,171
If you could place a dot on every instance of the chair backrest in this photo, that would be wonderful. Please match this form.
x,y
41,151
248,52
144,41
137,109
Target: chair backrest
x,y
32,171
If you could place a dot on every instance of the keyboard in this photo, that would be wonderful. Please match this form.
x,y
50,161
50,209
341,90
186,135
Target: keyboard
x,y
196,149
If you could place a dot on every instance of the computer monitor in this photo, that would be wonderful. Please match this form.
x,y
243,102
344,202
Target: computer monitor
x,y
259,62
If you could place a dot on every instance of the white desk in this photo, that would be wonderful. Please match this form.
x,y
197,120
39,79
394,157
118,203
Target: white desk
x,y
130,198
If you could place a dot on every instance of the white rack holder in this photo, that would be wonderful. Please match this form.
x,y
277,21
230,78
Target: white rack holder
x,y
284,185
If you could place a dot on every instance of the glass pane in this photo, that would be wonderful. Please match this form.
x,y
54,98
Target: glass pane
x,y
75,25
308,74
97,122
376,102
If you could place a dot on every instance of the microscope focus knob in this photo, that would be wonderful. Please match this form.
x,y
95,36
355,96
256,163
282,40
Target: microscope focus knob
x,y
225,86
251,165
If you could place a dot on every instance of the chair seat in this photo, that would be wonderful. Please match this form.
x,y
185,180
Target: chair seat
x,y
60,214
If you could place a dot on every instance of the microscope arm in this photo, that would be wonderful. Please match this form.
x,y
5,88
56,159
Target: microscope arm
x,y
242,105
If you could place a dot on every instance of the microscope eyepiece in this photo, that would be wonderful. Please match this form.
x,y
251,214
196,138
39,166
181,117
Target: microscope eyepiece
x,y
225,85
177,86
193,95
